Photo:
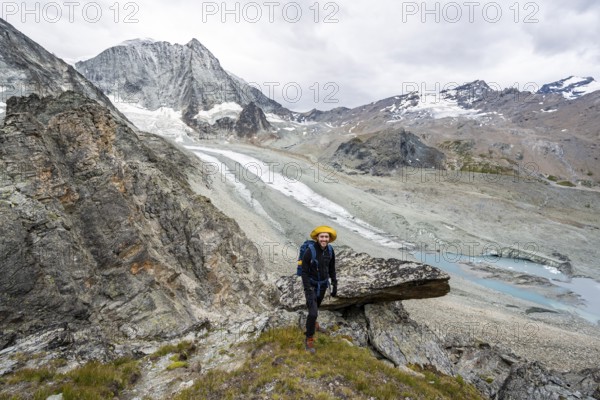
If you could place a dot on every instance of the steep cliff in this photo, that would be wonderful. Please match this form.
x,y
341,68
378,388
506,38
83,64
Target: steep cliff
x,y
98,229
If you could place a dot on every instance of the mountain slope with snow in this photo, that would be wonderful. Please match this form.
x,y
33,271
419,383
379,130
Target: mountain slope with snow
x,y
186,78
572,87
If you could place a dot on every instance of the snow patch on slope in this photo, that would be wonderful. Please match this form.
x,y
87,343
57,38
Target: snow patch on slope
x,y
435,105
589,88
441,107
164,121
228,109
306,196
239,187
572,87
274,118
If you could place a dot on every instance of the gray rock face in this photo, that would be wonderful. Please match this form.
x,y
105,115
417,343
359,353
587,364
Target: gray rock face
x,y
483,365
469,95
363,280
402,340
186,77
251,121
533,382
501,375
496,372
97,228
26,67
386,152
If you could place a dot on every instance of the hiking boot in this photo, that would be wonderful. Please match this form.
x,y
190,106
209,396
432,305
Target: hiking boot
x,y
319,329
309,344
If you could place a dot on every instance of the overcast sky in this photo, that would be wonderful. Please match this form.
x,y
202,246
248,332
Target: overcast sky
x,y
342,53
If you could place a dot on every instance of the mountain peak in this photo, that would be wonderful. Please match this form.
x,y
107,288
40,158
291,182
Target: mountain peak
x,y
196,43
476,84
467,94
137,42
186,78
571,87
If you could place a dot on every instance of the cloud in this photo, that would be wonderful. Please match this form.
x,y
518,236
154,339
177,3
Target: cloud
x,y
354,52
564,30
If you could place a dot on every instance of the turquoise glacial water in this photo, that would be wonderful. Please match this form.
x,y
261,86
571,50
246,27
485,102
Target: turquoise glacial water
x,y
587,289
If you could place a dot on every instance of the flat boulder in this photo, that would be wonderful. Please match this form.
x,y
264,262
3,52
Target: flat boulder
x,y
363,279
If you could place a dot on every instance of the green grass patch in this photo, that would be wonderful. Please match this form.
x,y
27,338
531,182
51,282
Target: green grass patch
x,y
183,348
30,375
92,381
460,147
486,168
177,364
566,183
280,368
553,178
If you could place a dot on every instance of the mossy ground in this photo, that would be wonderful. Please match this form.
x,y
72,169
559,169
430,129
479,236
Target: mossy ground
x,y
465,161
92,381
278,367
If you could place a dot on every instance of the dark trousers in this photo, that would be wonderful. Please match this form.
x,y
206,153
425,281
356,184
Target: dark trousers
x,y
313,303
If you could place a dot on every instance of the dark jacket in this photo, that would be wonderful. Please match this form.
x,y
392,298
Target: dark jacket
x,y
325,269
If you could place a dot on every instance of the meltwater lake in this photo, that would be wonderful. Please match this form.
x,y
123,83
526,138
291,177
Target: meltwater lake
x,y
588,290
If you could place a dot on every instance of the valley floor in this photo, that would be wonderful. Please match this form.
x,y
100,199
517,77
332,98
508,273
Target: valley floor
x,y
429,211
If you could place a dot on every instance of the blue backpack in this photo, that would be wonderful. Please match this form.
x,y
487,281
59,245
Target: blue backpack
x,y
310,244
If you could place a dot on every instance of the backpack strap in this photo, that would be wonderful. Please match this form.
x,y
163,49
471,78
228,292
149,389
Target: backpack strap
x,y
313,253
330,249
325,282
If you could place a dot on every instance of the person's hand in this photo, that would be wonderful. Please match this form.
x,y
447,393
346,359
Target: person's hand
x,y
334,290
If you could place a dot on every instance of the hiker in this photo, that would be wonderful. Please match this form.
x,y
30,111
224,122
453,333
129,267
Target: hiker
x,y
316,272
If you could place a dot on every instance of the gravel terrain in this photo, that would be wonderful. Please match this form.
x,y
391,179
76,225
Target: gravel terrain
x,y
422,209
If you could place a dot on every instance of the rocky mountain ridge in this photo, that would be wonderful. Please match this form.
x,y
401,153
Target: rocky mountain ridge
x,y
251,121
26,67
90,239
478,129
514,130
571,87
186,78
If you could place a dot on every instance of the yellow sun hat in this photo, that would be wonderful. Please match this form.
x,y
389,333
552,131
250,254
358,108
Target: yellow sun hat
x,y
324,229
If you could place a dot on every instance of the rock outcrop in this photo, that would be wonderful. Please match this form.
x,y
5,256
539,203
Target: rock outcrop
x,y
401,340
366,310
99,229
496,372
534,382
363,280
386,152
26,67
251,121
